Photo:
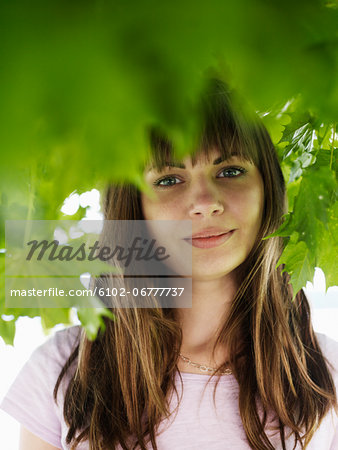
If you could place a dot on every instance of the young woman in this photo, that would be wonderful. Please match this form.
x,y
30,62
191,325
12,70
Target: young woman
x,y
242,368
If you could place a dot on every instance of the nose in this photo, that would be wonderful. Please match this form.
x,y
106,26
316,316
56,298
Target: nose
x,y
206,202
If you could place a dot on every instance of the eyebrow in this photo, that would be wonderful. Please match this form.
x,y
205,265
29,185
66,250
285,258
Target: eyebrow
x,y
182,166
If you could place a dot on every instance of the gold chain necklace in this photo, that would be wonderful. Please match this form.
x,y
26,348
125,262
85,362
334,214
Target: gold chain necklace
x,y
203,367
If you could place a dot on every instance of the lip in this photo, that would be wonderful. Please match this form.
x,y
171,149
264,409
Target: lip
x,y
209,232
213,240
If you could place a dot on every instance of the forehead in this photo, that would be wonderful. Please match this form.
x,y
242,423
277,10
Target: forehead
x,y
214,157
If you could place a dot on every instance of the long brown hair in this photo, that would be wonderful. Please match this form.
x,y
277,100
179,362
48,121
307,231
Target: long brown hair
x,y
119,392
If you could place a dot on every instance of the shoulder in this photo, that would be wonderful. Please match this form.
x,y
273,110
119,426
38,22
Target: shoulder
x,y
52,355
329,349
45,363
60,345
30,398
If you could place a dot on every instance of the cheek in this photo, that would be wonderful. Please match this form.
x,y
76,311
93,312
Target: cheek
x,y
248,208
255,209
258,201
154,209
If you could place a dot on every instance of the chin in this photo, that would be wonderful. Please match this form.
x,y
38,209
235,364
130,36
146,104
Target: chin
x,y
213,270
208,274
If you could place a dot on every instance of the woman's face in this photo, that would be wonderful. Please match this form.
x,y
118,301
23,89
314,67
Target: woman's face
x,y
223,198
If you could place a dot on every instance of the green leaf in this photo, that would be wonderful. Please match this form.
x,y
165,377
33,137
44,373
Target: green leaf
x,y
328,248
313,226
7,331
310,206
292,192
91,319
299,264
53,316
275,124
312,202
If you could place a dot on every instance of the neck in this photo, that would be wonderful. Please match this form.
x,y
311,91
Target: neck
x,y
211,300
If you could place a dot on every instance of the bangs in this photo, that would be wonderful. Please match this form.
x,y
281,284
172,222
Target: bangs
x,y
226,126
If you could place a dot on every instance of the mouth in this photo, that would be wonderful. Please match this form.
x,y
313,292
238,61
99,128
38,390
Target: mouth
x,y
210,241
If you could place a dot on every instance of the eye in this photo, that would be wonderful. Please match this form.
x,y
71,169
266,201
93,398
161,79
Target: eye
x,y
167,181
227,172
232,172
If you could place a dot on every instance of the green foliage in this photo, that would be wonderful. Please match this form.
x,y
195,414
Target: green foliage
x,y
308,155
298,263
81,82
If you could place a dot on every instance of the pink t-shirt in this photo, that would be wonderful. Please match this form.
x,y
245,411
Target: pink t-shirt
x,y
197,424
